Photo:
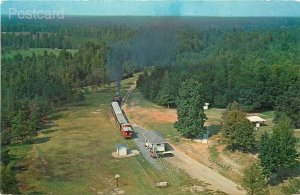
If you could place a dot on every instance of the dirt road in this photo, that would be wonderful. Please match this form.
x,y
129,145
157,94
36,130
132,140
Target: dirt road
x,y
199,171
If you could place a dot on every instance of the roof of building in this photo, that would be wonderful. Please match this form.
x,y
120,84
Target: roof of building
x,y
255,119
154,137
120,146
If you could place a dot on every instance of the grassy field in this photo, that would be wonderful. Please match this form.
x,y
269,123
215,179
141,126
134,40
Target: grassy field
x,y
73,156
37,51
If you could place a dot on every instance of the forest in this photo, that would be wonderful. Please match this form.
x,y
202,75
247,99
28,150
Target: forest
x,y
252,61
259,69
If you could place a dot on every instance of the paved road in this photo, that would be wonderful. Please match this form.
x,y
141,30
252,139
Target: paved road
x,y
140,142
199,171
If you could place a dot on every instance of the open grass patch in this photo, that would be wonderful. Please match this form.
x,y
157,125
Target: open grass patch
x,y
74,157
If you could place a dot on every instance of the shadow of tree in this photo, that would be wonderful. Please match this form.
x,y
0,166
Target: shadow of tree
x,y
41,140
37,192
20,168
281,176
48,131
213,130
55,116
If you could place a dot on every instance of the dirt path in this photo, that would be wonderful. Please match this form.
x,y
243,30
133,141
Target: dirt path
x,y
199,171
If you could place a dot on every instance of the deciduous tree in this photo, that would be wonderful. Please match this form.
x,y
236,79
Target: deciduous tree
x,y
237,131
254,181
277,152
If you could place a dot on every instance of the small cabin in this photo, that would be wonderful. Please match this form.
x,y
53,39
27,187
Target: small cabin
x,y
122,150
258,121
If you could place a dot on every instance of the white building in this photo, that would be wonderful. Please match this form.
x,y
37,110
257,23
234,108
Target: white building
x,y
122,150
205,107
257,120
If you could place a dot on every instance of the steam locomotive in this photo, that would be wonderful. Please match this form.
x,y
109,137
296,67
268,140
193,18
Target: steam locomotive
x,y
121,120
118,99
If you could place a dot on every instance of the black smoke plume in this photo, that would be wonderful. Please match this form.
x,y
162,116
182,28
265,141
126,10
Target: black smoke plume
x,y
118,55
155,45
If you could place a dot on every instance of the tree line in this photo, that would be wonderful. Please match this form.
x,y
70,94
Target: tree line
x,y
33,85
260,70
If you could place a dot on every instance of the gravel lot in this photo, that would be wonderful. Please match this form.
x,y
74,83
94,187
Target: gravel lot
x,y
140,142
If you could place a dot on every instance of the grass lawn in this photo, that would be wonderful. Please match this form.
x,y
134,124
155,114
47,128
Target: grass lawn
x,y
73,156
37,51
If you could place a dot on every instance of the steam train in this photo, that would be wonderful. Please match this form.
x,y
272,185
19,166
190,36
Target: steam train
x,y
121,120
118,99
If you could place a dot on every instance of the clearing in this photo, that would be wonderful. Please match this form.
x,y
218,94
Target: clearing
x,y
73,155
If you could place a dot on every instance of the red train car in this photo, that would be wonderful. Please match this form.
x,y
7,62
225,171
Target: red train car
x,y
123,124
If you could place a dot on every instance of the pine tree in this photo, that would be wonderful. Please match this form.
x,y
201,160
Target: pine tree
x,y
254,181
191,116
33,121
8,180
19,126
5,142
267,150
166,95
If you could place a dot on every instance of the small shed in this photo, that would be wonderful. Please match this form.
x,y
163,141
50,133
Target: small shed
x,y
257,120
122,150
205,107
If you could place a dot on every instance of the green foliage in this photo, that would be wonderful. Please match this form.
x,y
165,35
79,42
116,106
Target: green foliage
x,y
150,82
244,134
8,180
266,154
190,112
166,95
237,131
293,187
19,126
4,155
254,181
249,66
289,105
277,152
78,96
34,120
